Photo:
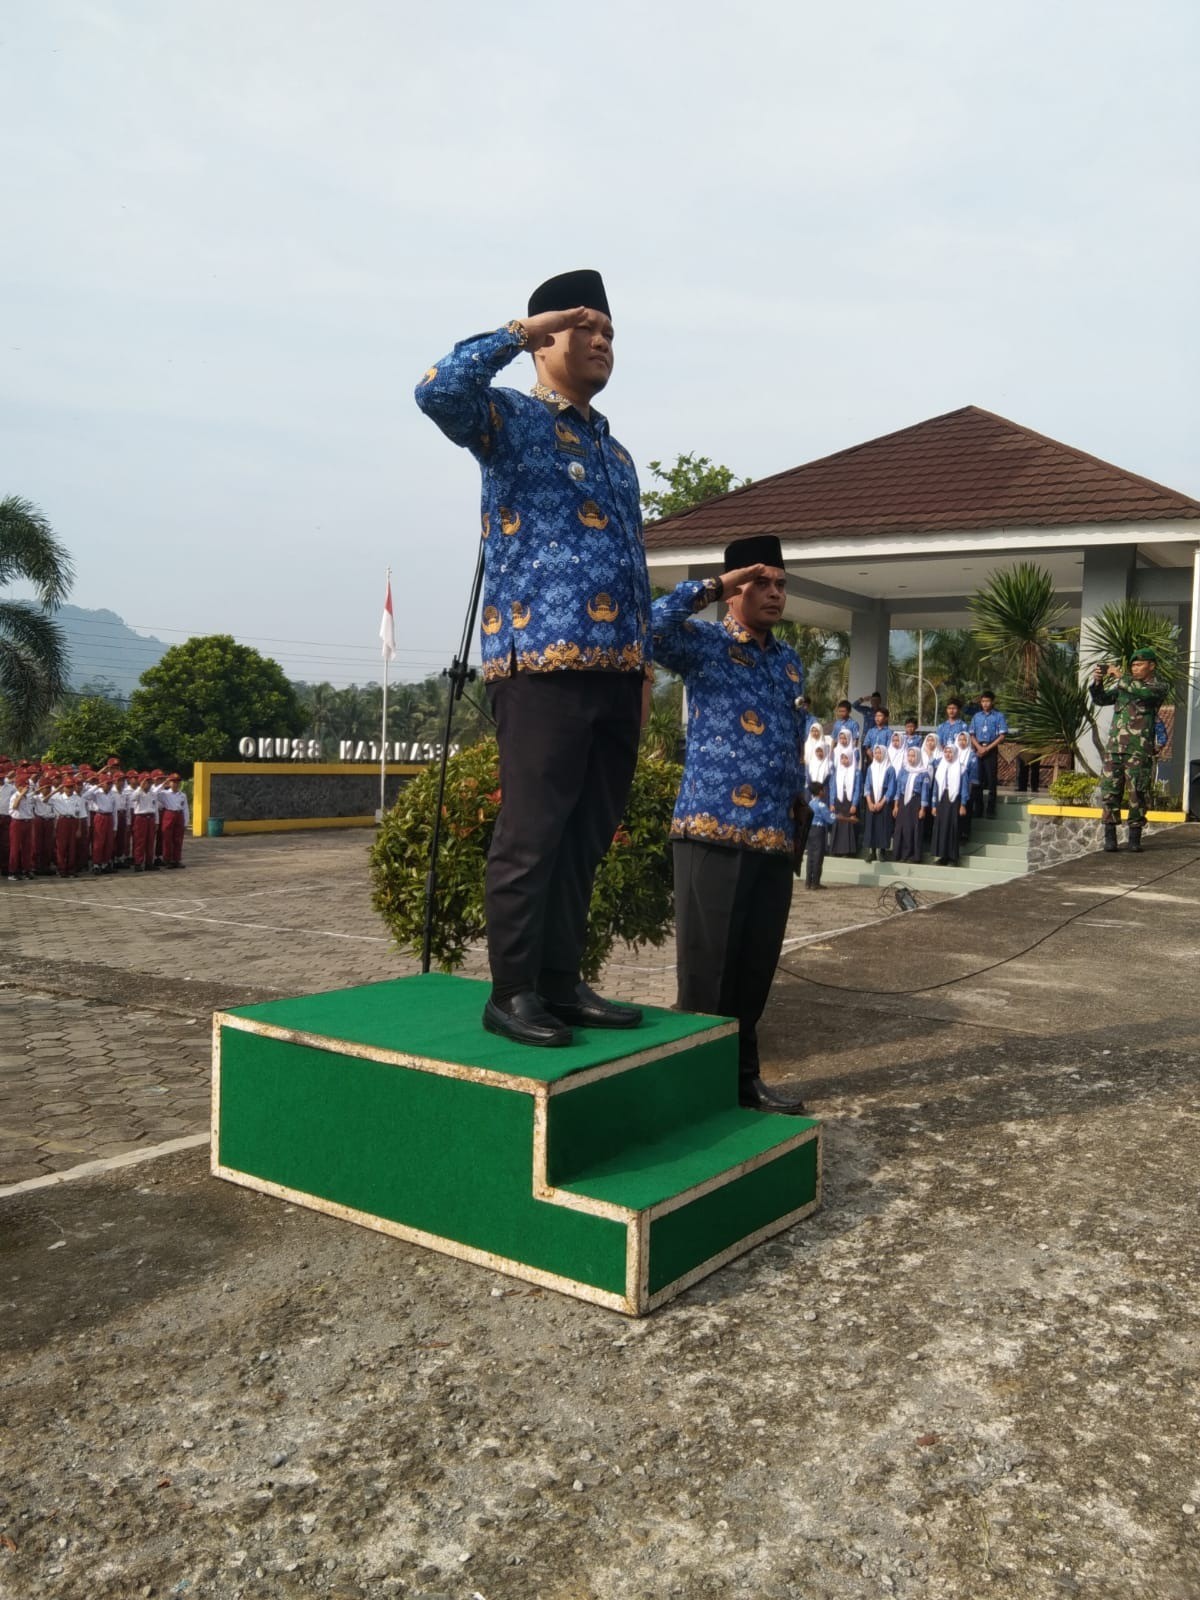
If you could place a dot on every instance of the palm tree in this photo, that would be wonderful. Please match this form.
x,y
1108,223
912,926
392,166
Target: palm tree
x,y
33,652
1017,619
320,701
953,661
1055,719
1128,625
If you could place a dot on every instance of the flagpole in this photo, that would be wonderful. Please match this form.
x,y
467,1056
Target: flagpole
x,y
383,728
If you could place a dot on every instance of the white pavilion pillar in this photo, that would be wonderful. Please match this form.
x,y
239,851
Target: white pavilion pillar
x,y
869,635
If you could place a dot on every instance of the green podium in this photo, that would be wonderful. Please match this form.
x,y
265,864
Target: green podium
x,y
620,1169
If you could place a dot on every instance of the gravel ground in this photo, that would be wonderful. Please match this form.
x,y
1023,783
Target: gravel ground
x,y
974,1372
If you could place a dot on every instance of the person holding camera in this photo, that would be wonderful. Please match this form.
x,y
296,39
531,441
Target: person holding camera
x,y
1130,754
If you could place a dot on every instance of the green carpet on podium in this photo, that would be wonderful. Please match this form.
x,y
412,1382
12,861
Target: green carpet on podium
x,y
620,1169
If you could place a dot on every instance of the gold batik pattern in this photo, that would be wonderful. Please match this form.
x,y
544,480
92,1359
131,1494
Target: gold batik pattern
x,y
701,825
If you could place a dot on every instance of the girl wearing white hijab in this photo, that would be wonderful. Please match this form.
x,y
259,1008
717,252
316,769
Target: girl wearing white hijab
x,y
930,753
950,796
845,791
817,751
910,807
969,762
879,792
895,752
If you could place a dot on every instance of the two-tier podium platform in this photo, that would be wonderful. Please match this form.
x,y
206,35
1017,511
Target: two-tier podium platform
x,y
620,1169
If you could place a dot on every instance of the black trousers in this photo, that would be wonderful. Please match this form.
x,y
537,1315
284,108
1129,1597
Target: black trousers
x,y
731,910
1029,774
989,766
815,854
568,749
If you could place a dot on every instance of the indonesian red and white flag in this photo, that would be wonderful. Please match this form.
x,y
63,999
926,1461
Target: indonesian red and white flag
x,y
387,628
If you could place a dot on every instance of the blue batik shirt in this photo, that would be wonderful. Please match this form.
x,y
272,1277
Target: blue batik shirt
x,y
874,736
988,725
743,770
565,584
822,816
852,728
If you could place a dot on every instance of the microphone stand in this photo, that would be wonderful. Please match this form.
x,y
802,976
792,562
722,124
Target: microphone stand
x,y
459,674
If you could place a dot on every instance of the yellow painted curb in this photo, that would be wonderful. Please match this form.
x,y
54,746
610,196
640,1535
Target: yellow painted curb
x,y
1095,812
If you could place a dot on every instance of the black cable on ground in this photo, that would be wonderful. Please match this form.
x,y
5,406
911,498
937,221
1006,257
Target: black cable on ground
x,y
966,977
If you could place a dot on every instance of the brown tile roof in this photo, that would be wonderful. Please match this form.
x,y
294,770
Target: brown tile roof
x,y
969,469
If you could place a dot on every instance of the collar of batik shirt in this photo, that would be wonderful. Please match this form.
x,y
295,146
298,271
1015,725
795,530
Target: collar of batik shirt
x,y
743,635
558,403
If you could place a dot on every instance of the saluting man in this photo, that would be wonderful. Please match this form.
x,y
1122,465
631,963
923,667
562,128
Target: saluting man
x,y
1129,759
566,641
734,825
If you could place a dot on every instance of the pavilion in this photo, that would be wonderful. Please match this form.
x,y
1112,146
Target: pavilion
x,y
898,532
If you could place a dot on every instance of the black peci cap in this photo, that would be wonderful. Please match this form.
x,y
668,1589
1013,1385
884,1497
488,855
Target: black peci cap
x,y
749,552
568,290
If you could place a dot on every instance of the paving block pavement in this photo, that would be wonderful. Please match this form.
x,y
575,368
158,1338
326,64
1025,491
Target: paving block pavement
x,y
104,1042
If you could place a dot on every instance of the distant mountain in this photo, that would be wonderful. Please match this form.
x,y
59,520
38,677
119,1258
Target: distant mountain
x,y
104,648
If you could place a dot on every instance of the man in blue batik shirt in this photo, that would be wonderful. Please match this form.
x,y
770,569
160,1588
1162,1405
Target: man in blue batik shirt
x,y
949,730
566,641
989,729
734,826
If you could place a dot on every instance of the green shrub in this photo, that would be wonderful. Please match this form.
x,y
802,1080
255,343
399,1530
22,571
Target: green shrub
x,y
1164,799
633,897
1074,789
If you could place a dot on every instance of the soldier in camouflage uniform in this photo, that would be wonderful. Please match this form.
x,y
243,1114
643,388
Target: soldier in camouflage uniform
x,y
1130,757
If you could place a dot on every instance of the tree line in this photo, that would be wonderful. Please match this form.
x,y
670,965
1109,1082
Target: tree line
x,y
206,694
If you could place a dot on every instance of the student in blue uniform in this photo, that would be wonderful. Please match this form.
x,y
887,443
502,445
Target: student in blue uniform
x,y
818,835
949,807
843,719
878,793
867,709
970,781
879,732
896,747
805,716
989,729
911,736
817,758
953,725
844,795
910,807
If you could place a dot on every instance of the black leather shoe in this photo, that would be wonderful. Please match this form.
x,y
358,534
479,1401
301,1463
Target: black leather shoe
x,y
525,1020
588,1010
758,1096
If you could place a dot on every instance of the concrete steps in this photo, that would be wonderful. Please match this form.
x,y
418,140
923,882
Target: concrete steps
x,y
996,853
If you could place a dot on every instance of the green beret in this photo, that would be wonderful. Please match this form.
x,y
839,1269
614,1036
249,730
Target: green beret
x,y
1145,654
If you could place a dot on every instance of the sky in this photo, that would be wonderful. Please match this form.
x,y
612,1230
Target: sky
x,y
237,232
